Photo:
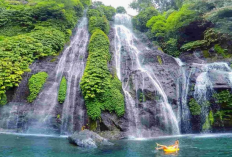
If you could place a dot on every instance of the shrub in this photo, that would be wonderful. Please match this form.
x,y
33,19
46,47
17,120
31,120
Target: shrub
x,y
219,50
140,21
121,10
108,11
171,47
86,3
194,107
194,45
62,90
93,12
35,84
99,23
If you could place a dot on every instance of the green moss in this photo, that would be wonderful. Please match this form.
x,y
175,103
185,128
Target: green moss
x,y
219,50
142,97
206,126
58,116
159,60
194,107
194,45
206,53
62,90
211,117
35,84
3,100
93,125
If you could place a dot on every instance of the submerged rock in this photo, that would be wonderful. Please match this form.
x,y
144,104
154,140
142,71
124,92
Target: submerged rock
x,y
88,139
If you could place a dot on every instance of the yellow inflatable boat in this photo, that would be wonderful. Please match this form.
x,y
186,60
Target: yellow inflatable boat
x,y
171,149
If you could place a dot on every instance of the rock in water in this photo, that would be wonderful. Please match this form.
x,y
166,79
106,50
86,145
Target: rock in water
x,y
88,139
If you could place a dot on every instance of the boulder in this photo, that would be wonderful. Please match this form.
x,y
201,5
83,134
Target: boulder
x,y
88,139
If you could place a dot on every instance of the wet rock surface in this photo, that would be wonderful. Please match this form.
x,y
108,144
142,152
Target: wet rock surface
x,y
88,139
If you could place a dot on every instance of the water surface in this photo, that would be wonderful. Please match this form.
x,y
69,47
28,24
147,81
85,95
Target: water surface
x,y
206,145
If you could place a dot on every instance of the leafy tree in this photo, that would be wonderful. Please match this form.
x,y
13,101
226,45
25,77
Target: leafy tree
x,y
121,10
141,19
86,3
99,23
108,11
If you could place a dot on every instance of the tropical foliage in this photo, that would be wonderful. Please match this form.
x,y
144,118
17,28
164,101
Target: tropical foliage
x,y
185,25
121,10
35,84
30,30
194,107
101,90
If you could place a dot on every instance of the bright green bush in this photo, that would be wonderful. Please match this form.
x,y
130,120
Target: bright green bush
x,y
108,11
93,12
86,3
194,45
98,23
194,107
171,47
219,50
121,10
140,21
62,90
101,91
35,84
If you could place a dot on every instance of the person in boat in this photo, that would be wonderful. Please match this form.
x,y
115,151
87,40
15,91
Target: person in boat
x,y
175,146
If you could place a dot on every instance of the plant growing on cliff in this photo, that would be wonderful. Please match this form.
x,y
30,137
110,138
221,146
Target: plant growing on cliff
x,y
62,90
3,101
101,90
194,107
35,84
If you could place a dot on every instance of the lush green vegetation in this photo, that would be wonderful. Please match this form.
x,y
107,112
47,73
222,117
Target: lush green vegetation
x,y
35,84
32,29
101,90
194,107
99,17
223,109
121,10
185,25
3,101
62,90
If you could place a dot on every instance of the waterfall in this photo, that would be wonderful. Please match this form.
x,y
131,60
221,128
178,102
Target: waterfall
x,y
71,65
184,81
205,81
129,68
46,115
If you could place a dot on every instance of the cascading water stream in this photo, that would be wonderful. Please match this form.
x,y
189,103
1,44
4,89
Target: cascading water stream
x,y
46,115
125,41
183,90
71,65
